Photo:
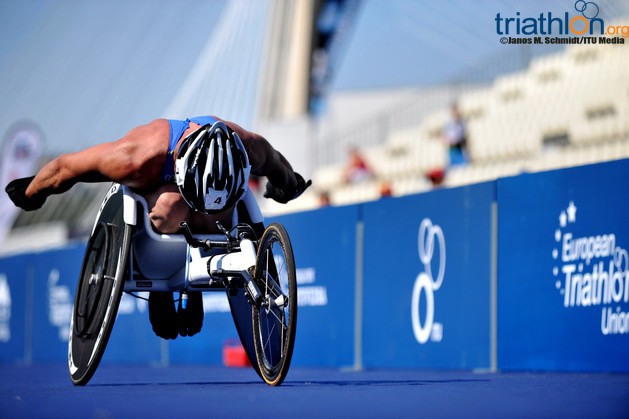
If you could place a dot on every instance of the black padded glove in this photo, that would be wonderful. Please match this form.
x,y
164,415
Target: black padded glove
x,y
283,196
190,319
17,192
162,314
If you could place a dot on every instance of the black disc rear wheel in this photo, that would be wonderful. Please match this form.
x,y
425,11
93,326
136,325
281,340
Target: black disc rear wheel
x,y
99,290
89,307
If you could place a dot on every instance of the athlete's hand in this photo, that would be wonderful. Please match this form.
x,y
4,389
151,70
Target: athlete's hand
x,y
284,195
17,192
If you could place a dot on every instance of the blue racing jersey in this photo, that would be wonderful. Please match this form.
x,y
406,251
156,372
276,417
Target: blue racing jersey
x,y
177,128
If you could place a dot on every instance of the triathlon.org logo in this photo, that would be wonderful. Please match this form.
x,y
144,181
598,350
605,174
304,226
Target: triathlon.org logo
x,y
426,282
586,22
592,271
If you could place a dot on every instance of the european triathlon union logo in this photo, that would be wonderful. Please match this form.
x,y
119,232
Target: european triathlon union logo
x,y
591,270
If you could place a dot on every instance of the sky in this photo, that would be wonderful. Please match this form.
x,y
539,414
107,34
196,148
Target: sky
x,y
426,42
392,43
50,71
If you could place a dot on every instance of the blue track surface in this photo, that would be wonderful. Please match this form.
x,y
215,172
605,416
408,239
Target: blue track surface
x,y
202,391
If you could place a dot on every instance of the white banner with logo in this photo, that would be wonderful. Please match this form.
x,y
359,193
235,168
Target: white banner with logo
x,y
22,148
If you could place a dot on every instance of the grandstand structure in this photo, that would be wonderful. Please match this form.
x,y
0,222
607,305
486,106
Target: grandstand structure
x,y
565,109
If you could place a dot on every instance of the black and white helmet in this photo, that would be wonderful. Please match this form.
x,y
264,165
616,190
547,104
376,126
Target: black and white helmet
x,y
212,168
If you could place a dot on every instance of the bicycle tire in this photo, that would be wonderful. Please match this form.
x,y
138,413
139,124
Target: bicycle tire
x,y
274,318
99,289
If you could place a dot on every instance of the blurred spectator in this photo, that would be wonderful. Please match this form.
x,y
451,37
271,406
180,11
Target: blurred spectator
x,y
455,136
324,199
386,190
436,176
357,168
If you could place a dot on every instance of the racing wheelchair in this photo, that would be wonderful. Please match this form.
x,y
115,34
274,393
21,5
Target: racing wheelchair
x,y
253,265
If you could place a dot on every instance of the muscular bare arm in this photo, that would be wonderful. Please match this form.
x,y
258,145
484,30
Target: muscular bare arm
x,y
265,160
134,160
284,183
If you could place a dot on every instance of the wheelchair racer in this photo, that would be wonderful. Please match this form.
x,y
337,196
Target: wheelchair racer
x,y
193,170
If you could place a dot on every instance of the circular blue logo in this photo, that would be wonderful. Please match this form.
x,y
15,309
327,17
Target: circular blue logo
x,y
588,9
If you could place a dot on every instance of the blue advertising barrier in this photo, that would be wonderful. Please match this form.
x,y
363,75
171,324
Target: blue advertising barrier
x,y
563,269
427,280
207,346
321,241
37,293
15,336
525,273
132,339
324,244
54,282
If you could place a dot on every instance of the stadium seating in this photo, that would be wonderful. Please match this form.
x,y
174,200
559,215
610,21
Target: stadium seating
x,y
566,109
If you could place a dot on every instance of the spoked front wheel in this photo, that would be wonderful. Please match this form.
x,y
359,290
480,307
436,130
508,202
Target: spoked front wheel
x,y
275,316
